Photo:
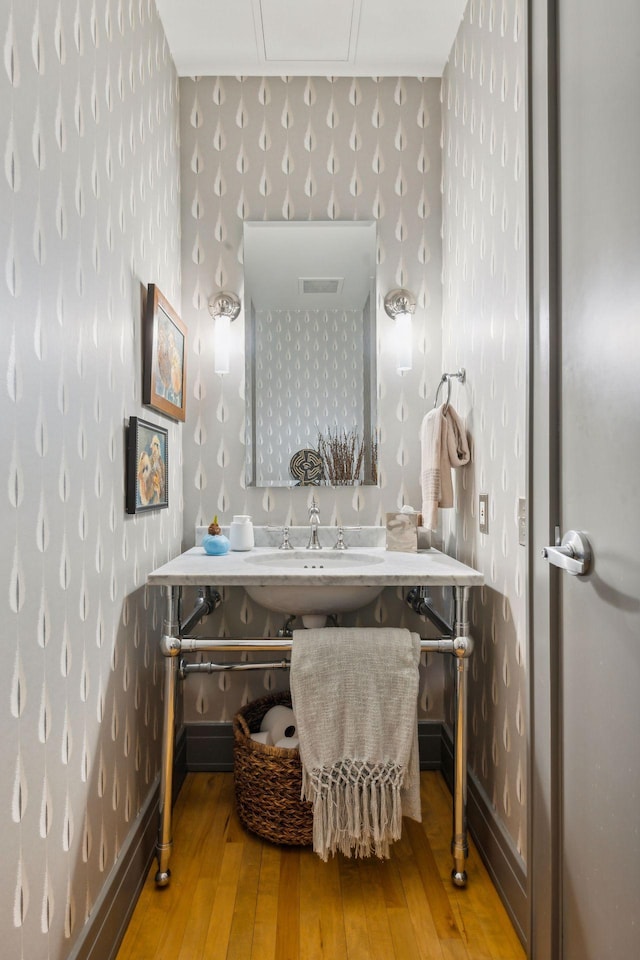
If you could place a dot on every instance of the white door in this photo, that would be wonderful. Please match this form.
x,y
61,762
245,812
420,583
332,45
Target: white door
x,y
588,813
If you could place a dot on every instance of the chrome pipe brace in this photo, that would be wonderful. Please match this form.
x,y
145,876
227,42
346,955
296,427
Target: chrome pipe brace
x,y
207,601
422,604
210,667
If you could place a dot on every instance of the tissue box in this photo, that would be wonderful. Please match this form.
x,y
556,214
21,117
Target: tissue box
x,y
402,532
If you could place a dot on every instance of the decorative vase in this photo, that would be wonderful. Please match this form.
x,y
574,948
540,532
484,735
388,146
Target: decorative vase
x,y
215,546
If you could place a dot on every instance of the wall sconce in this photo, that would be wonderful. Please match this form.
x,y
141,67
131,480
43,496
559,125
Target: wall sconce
x,y
224,308
400,305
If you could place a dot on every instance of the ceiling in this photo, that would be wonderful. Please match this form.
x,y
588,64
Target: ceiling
x,y
310,37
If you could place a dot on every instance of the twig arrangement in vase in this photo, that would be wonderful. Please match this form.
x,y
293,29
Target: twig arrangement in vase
x,y
342,454
374,459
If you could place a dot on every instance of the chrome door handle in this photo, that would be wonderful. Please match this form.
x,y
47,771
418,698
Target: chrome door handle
x,y
573,554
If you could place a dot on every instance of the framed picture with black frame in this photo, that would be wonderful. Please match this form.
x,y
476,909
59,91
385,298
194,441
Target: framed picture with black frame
x,y
147,470
164,366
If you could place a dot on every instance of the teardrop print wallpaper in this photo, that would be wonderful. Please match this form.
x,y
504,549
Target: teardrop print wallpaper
x,y
115,175
89,195
314,357
298,149
485,330
301,148
320,148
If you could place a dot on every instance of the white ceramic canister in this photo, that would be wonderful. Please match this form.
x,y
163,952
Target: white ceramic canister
x,y
241,533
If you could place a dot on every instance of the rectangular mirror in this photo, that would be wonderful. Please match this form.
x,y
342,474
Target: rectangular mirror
x,y
310,352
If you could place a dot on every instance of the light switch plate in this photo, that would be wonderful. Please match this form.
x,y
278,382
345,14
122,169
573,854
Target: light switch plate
x,y
483,513
522,521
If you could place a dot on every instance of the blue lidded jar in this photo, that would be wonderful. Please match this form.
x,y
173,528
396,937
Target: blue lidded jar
x,y
216,545
214,541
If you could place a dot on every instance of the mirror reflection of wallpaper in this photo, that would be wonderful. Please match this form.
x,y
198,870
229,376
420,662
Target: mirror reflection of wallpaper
x,y
89,194
485,330
309,378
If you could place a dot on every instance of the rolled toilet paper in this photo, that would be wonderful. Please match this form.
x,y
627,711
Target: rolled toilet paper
x,y
279,722
263,737
289,743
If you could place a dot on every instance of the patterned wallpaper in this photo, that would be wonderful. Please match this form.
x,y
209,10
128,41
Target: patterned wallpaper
x,y
89,194
90,215
309,378
325,148
484,330
306,148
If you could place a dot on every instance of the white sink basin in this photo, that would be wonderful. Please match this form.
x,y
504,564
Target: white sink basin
x,y
313,602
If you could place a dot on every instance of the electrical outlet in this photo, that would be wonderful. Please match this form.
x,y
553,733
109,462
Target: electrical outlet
x,y
483,513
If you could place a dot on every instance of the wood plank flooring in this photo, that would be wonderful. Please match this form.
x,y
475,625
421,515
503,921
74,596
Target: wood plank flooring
x,y
234,897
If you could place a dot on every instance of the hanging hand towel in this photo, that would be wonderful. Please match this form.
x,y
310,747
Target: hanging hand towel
x,y
444,445
354,693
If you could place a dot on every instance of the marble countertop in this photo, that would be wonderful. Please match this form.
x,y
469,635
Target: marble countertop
x,y
424,568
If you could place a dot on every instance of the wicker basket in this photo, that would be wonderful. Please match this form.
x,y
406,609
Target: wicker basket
x,y
268,780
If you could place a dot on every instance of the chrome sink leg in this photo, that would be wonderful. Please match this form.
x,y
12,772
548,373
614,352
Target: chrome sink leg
x,y
459,844
170,648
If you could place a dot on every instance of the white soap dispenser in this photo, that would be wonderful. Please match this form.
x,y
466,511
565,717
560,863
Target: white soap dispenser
x,y
241,533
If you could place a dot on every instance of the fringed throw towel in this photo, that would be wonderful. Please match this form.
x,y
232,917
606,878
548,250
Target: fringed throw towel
x,y
444,445
355,694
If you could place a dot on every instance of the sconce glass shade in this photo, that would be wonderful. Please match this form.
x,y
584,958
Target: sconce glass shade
x,y
404,338
222,344
399,305
224,308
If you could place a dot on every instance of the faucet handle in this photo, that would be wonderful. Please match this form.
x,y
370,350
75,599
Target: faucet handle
x,y
340,544
285,545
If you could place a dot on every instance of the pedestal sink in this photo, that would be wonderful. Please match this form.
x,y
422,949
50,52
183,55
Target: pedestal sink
x,y
313,602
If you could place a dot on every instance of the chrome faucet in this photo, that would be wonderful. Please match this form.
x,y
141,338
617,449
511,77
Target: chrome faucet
x,y
314,522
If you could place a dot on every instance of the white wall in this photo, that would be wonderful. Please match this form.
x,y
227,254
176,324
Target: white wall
x,y
89,195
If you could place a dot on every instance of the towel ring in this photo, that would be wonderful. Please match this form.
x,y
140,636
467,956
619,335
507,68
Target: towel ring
x,y
460,375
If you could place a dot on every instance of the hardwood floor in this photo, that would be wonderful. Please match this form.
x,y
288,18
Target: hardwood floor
x,y
234,897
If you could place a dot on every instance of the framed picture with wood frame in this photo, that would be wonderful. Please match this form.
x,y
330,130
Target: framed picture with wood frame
x,y
164,368
147,466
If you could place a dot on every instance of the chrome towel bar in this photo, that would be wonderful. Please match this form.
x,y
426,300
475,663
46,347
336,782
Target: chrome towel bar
x,y
460,375
458,646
